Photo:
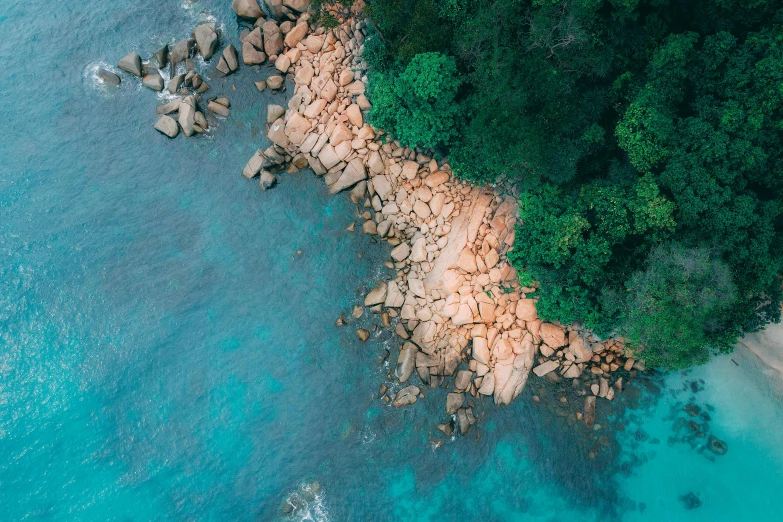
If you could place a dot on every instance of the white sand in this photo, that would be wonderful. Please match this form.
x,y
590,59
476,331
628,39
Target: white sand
x,y
768,346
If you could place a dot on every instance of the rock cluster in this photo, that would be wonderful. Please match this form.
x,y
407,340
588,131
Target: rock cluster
x,y
458,305
462,318
591,365
187,86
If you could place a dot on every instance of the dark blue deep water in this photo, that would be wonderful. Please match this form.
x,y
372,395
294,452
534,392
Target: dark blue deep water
x,y
166,354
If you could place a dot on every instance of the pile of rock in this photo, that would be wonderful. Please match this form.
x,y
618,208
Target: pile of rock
x,y
187,86
455,296
455,299
596,368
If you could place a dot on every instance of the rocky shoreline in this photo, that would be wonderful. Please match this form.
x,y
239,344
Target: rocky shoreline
x,y
455,302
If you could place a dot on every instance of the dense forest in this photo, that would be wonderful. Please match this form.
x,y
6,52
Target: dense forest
x,y
643,138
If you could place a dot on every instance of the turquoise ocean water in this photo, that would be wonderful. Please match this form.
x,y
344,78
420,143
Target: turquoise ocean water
x,y
166,354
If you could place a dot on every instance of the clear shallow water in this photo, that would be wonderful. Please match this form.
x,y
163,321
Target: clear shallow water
x,y
165,354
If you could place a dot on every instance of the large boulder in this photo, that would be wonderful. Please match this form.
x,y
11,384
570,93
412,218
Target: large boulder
x,y
255,164
251,55
297,5
276,133
162,56
552,335
247,8
580,349
273,112
131,63
296,34
218,108
167,125
406,362
275,7
229,61
206,39
377,295
181,51
175,83
526,309
545,368
273,38
187,115
454,402
153,80
352,174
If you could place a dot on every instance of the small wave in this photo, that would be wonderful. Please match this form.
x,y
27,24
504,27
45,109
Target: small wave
x,y
307,504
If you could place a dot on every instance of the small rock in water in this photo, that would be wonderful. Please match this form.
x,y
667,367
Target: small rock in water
x,y
266,180
363,334
261,86
274,82
108,77
218,108
340,321
447,428
357,311
406,396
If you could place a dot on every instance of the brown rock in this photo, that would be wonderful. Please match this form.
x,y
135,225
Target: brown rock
x,y
552,335
296,34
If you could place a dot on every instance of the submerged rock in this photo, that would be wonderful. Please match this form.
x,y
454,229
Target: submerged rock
x,y
690,501
717,446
